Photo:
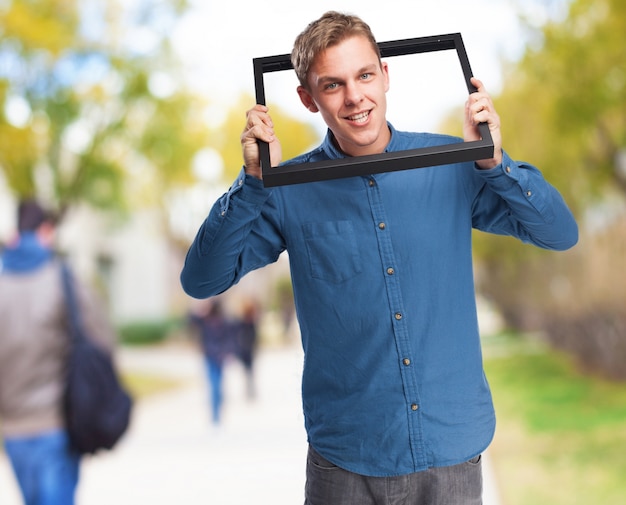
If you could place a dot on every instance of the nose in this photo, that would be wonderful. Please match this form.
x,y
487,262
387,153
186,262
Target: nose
x,y
354,94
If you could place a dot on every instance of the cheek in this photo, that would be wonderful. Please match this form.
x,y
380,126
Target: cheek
x,y
382,98
329,108
328,118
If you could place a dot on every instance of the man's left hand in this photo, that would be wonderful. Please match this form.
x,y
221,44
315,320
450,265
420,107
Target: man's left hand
x,y
479,109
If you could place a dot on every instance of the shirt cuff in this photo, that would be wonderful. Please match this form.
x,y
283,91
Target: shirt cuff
x,y
505,175
248,189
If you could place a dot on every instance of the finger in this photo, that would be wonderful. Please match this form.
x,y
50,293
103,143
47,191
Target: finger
x,y
258,114
478,84
258,132
476,105
480,111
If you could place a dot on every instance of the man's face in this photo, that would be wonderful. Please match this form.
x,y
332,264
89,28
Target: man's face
x,y
348,86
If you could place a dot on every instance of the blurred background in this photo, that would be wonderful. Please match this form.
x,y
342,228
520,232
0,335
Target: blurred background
x,y
124,116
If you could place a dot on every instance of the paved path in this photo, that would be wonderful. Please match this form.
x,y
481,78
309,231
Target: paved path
x,y
173,455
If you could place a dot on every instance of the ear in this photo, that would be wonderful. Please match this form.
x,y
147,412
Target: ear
x,y
385,68
307,99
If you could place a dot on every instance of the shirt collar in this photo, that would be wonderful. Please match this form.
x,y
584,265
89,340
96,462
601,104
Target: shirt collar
x,y
333,152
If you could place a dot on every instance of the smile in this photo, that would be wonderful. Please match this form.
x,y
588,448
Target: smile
x,y
360,117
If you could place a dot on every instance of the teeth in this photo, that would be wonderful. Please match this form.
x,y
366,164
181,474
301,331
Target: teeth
x,y
359,118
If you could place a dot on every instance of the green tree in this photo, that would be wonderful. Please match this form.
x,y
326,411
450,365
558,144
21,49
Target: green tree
x,y
295,136
573,79
564,109
88,114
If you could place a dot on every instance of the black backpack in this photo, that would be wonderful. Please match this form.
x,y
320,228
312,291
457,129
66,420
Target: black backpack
x,y
96,406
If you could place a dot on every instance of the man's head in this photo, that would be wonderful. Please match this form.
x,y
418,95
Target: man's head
x,y
345,81
33,218
327,31
31,215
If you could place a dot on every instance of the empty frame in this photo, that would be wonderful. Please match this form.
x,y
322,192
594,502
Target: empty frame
x,y
382,162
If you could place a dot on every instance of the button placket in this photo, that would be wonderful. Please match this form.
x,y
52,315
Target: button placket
x,y
399,320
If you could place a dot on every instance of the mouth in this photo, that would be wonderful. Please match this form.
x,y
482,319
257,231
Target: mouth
x,y
361,117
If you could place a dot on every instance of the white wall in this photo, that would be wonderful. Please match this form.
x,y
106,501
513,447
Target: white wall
x,y
141,270
142,279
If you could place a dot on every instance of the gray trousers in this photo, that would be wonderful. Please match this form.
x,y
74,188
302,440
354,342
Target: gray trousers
x,y
326,484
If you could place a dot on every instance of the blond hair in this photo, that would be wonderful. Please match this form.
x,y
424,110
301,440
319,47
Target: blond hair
x,y
331,29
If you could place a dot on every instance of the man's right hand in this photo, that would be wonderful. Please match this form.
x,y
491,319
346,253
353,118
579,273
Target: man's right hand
x,y
259,126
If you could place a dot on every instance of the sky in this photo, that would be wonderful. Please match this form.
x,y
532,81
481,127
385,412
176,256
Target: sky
x,y
217,41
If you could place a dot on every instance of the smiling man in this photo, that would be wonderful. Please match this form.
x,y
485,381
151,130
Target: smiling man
x,y
397,408
348,87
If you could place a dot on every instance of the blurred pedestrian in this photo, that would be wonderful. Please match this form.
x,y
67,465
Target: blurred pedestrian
x,y
246,336
216,338
34,342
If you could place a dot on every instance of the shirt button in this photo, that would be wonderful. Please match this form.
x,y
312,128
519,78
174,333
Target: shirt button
x,y
414,406
391,271
371,182
398,316
508,170
529,193
381,226
406,361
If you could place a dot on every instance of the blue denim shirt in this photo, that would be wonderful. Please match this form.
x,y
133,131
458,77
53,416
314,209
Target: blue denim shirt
x,y
381,267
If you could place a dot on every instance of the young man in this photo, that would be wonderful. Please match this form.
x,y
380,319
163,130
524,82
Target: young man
x,y
34,341
397,407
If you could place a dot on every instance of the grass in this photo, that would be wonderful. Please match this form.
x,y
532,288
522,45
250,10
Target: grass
x,y
141,385
561,434
148,332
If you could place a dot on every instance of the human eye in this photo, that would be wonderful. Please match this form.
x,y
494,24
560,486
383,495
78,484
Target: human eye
x,y
331,86
366,76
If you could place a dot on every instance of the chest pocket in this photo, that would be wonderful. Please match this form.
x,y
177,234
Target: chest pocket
x,y
332,250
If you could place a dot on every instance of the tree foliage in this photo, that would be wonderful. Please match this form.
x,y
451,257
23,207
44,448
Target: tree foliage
x,y
91,108
295,136
565,102
563,109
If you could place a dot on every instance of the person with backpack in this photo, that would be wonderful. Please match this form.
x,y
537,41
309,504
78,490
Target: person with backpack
x,y
34,344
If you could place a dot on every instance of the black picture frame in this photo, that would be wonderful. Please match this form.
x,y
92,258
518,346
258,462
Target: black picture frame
x,y
383,162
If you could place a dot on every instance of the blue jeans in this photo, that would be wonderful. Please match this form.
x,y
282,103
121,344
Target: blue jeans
x,y
215,374
327,484
45,467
